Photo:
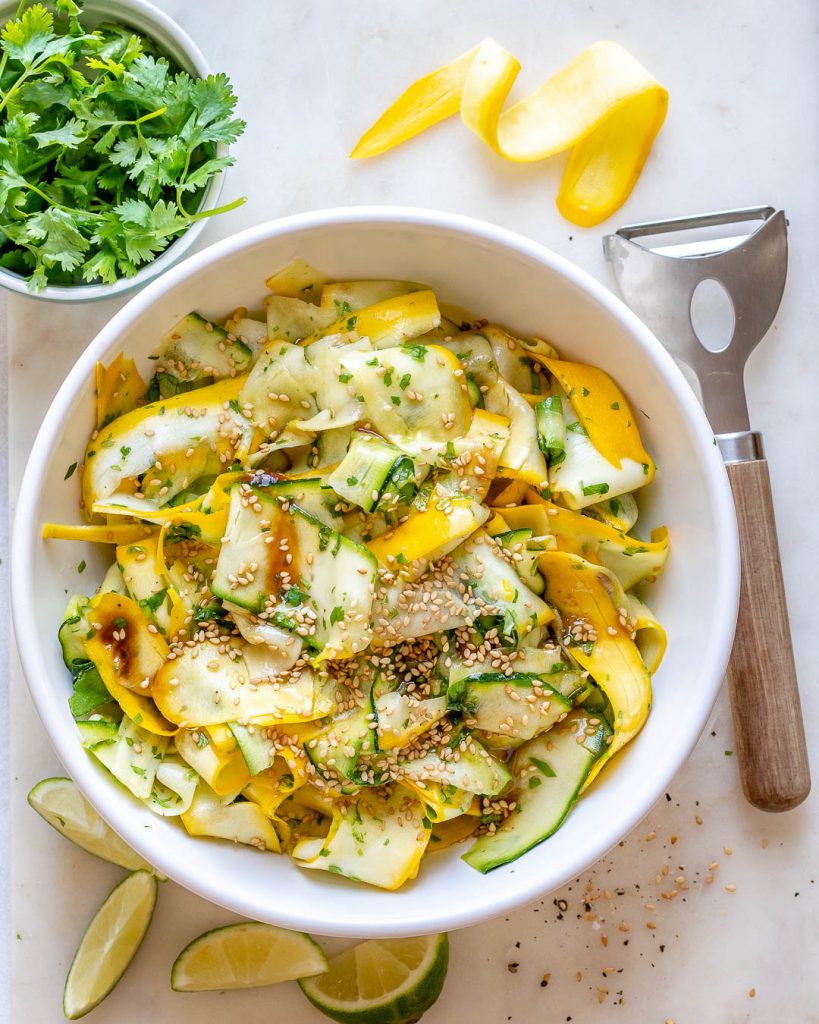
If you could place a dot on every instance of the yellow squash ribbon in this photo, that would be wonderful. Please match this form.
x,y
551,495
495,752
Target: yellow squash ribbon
x,y
125,533
128,660
603,410
630,559
603,106
613,660
119,389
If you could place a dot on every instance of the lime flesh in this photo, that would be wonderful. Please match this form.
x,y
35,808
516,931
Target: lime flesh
x,y
62,805
109,944
245,955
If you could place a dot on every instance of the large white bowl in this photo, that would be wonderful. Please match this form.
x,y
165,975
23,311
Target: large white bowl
x,y
512,280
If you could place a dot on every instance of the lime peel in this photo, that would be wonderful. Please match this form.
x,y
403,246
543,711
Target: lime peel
x,y
381,981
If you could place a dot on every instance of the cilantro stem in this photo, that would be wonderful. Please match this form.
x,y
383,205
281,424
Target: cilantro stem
x,y
182,178
60,206
15,88
226,208
219,209
146,117
42,195
135,122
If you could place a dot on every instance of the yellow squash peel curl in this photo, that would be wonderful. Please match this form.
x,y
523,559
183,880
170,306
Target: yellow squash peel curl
x,y
603,106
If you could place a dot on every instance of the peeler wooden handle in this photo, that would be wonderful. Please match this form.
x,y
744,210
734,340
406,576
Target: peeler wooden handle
x,y
770,737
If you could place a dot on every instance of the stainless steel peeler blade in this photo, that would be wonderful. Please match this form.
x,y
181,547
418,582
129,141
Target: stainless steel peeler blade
x,y
659,282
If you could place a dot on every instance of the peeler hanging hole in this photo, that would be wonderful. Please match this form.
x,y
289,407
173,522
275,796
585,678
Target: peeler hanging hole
x,y
712,315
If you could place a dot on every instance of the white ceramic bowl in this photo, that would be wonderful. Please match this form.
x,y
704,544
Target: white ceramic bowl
x,y
153,24
512,280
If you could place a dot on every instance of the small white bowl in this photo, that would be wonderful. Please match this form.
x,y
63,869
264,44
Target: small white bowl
x,y
154,24
507,278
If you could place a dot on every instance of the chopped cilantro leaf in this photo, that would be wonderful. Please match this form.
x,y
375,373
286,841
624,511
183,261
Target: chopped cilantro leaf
x,y
544,767
155,601
296,596
595,489
183,531
418,352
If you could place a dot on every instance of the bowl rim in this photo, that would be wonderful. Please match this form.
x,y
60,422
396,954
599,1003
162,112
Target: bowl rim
x,y
26,534
166,33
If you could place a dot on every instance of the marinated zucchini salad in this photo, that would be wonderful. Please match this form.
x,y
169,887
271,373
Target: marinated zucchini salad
x,y
374,587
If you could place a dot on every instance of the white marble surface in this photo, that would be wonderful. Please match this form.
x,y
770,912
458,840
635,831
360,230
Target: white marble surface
x,y
742,129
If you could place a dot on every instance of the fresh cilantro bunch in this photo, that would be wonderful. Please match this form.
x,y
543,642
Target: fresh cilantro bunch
x,y
106,147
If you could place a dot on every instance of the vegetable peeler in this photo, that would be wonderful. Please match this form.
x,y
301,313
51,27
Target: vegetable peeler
x,y
659,284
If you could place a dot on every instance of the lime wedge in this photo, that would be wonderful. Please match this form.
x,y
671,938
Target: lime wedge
x,y
245,955
62,805
109,944
386,981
